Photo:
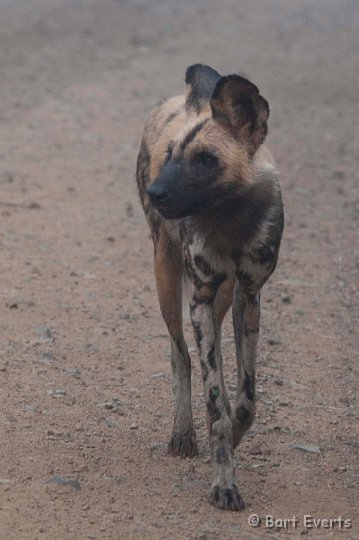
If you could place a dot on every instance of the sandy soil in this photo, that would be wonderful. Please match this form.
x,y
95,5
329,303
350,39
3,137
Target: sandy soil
x,y
86,401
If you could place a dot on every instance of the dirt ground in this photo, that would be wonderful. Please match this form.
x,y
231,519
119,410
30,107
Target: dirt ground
x,y
86,399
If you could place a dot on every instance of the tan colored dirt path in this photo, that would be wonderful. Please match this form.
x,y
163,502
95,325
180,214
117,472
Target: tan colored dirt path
x,y
84,369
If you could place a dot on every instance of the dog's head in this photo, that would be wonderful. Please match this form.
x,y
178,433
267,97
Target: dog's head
x,y
208,163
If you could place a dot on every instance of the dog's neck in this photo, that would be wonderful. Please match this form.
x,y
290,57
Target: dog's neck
x,y
237,222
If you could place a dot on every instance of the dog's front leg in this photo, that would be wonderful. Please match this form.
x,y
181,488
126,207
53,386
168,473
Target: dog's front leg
x,y
224,494
168,271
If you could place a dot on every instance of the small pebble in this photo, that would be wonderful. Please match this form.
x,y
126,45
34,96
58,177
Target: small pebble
x,y
273,341
310,448
62,482
134,425
30,408
57,392
158,447
108,422
48,355
44,332
92,347
157,375
256,450
33,205
73,373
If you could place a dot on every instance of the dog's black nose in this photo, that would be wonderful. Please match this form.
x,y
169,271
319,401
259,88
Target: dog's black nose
x,y
157,194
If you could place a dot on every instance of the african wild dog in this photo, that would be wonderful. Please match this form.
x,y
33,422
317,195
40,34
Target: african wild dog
x,y
210,193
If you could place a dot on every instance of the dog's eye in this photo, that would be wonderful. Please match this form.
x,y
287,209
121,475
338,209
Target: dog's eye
x,y
207,158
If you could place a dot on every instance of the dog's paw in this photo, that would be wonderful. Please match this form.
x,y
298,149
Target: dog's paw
x,y
226,498
183,444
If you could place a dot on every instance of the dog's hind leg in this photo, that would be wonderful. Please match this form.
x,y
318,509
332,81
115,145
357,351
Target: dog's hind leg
x,y
168,265
246,318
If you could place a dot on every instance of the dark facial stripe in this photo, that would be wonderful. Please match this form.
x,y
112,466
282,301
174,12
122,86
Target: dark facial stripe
x,y
171,117
191,134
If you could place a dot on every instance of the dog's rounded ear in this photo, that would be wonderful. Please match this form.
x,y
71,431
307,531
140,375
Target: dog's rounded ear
x,y
201,81
238,106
